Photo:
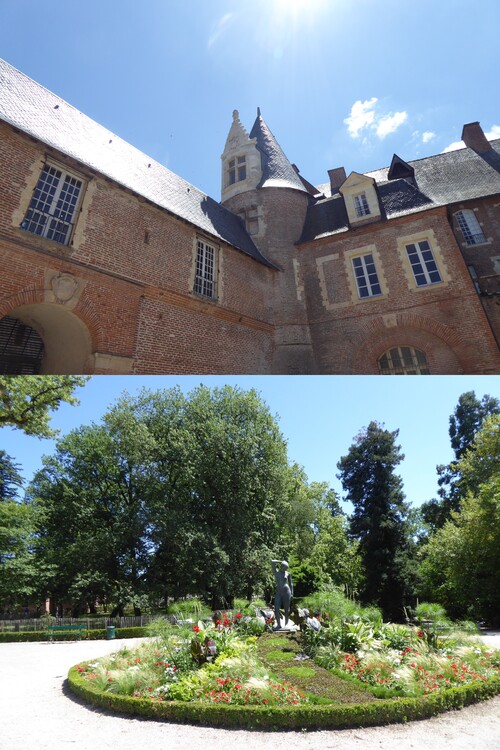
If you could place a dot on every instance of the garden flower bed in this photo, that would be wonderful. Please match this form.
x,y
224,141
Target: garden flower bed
x,y
226,673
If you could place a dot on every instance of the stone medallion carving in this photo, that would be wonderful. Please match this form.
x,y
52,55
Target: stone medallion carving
x,y
63,288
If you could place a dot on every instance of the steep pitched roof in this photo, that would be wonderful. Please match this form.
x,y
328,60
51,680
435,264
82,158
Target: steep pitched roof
x,y
34,110
438,180
276,169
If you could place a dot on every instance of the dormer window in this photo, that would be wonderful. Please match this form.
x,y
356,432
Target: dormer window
x,y
237,169
361,199
361,205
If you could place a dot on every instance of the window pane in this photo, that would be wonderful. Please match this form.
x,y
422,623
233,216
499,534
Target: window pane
x,y
404,360
52,207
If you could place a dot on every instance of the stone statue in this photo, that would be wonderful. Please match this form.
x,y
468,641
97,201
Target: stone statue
x,y
284,591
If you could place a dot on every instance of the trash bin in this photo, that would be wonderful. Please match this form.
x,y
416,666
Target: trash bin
x,y
110,632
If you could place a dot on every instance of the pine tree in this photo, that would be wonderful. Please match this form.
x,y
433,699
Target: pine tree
x,y
380,518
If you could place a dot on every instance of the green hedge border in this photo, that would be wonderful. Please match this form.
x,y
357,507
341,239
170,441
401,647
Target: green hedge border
x,y
347,716
29,636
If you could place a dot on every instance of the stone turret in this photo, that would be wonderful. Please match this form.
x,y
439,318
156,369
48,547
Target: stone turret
x,y
261,186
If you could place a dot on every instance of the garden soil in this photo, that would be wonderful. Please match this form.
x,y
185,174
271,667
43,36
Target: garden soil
x,y
37,711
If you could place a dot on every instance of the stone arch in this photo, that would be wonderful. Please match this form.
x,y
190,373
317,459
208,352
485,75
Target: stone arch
x,y
440,343
67,341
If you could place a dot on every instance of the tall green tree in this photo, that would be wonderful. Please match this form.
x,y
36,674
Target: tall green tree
x,y
464,424
171,495
10,478
221,501
17,570
460,566
380,518
321,555
91,501
26,402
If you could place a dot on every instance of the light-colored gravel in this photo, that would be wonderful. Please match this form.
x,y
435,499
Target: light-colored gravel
x,y
36,712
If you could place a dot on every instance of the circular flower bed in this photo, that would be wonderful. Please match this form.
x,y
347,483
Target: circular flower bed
x,y
223,673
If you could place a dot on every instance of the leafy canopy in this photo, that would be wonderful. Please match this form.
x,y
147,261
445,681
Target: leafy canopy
x,y
26,402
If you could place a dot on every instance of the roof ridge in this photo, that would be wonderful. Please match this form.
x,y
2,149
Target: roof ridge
x,y
29,107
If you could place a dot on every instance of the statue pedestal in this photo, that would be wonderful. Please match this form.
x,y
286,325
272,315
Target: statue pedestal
x,y
290,627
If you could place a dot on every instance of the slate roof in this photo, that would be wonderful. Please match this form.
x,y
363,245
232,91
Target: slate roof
x,y
439,180
276,169
34,110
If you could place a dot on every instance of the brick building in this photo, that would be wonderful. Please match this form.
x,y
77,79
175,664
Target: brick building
x,y
111,263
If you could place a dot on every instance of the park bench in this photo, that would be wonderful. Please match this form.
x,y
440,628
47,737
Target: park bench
x,y
79,628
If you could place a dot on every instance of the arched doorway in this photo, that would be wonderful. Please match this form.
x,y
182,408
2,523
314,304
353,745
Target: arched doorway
x,y
46,337
21,348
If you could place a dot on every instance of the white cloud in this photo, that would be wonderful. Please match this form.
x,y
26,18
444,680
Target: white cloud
x,y
428,136
453,146
390,123
493,133
362,116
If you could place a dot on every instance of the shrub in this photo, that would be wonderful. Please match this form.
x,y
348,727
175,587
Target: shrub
x,y
193,608
333,605
91,635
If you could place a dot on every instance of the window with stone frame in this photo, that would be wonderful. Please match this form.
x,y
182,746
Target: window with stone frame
x,y
403,360
53,206
361,205
237,169
470,227
205,280
365,273
423,263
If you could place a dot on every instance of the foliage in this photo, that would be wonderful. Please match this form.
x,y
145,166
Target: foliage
x,y
166,669
432,611
460,561
26,402
171,495
465,423
405,661
334,606
380,519
10,478
316,534
18,572
92,635
192,607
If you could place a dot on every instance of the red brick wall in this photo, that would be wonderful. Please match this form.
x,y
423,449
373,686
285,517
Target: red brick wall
x,y
484,257
134,267
123,251
446,321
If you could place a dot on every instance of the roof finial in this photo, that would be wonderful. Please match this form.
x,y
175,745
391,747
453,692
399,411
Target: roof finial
x,y
258,111
236,114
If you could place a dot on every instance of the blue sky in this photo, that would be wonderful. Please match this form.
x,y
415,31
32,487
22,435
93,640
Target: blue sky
x,y
319,417
338,82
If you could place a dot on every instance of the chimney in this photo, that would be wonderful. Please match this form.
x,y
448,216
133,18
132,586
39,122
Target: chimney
x,y
474,138
337,177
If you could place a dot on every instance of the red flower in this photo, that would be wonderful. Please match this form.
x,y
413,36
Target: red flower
x,y
196,628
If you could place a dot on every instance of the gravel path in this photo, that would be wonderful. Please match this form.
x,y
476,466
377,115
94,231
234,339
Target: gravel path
x,y
36,711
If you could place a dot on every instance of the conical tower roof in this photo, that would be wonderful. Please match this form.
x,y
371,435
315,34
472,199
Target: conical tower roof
x,y
276,169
